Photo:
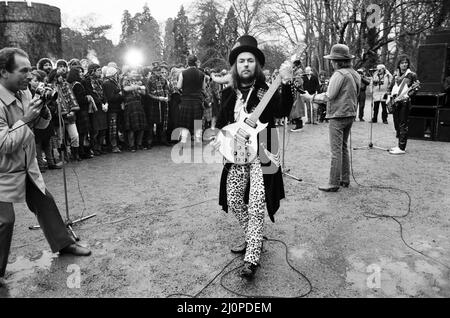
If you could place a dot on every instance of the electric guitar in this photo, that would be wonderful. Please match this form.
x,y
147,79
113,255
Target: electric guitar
x,y
239,141
396,97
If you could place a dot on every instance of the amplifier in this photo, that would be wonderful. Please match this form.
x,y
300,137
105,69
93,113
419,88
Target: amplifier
x,y
443,125
432,63
443,37
422,123
429,99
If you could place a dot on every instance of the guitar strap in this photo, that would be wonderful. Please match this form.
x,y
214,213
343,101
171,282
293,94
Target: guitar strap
x,y
402,85
240,103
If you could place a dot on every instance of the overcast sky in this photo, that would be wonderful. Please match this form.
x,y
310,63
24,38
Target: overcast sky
x,y
110,11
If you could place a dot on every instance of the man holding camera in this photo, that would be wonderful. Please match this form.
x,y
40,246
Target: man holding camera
x,y
20,178
381,81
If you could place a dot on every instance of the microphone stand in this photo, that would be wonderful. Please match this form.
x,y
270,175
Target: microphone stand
x,y
69,223
371,145
285,171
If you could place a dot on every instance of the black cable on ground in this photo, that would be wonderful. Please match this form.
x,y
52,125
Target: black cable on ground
x,y
387,216
240,266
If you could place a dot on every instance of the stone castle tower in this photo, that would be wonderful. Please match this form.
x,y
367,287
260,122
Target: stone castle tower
x,y
33,27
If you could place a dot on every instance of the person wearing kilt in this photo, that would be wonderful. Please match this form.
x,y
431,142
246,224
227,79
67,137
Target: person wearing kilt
x,y
114,97
174,101
158,111
191,82
135,122
82,116
98,119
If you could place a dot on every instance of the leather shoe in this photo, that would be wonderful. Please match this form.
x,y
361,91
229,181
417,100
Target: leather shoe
x,y
345,184
329,188
249,270
75,249
239,249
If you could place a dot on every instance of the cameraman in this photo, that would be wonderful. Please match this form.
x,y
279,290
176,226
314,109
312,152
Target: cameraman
x,y
20,178
381,81
43,136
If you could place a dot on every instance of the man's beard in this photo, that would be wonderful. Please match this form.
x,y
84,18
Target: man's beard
x,y
248,80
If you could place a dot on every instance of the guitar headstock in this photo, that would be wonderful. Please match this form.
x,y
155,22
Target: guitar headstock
x,y
415,85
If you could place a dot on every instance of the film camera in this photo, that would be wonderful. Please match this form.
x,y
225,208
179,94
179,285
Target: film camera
x,y
47,94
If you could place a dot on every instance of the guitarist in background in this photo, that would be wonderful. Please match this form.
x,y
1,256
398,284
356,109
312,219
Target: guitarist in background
x,y
248,189
403,79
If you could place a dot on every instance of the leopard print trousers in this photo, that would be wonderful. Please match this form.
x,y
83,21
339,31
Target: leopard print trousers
x,y
251,216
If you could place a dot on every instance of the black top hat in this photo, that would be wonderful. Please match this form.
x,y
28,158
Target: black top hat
x,y
246,43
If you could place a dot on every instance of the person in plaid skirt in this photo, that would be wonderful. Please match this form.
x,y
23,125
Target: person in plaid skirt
x,y
158,111
114,97
191,82
135,122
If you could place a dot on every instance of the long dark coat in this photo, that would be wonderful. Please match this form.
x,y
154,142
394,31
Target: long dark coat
x,y
279,106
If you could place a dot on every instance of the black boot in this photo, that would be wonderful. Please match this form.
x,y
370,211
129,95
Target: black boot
x,y
75,153
84,153
249,270
298,125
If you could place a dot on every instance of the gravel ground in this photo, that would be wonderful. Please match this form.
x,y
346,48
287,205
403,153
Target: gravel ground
x,y
159,230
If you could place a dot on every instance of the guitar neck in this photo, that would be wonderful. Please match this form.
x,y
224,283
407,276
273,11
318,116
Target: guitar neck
x,y
254,117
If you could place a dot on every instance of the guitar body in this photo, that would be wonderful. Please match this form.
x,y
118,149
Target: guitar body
x,y
239,141
403,95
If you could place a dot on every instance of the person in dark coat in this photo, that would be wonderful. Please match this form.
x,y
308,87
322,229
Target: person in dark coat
x,y
247,190
403,78
42,136
114,97
191,83
158,107
98,119
84,101
311,85
365,81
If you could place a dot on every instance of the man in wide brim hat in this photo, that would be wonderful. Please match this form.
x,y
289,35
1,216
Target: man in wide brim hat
x,y
339,52
341,98
246,43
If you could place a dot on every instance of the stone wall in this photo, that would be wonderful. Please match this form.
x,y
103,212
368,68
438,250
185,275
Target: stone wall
x,y
35,28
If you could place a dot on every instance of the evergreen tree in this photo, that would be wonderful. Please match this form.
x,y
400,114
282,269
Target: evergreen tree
x,y
181,36
141,32
209,25
128,29
169,42
229,34
148,35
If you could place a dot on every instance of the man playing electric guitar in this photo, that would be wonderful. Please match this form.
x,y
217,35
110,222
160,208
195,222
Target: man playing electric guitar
x,y
404,79
250,185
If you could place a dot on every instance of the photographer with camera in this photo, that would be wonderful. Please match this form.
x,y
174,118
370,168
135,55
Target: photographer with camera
x,y
20,178
381,81
43,136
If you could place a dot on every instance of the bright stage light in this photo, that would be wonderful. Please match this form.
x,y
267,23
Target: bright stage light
x,y
134,58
